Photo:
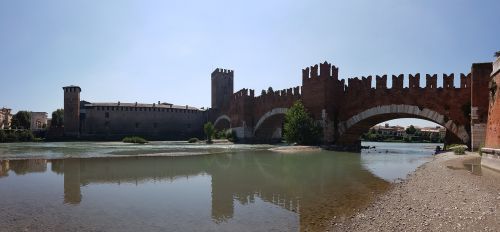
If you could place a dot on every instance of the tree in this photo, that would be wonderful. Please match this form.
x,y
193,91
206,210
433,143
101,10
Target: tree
x,y
21,120
299,127
209,131
497,54
411,130
57,118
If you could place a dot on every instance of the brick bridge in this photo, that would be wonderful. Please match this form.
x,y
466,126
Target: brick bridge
x,y
347,111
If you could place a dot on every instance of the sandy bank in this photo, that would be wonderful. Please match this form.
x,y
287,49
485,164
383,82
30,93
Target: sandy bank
x,y
439,196
294,149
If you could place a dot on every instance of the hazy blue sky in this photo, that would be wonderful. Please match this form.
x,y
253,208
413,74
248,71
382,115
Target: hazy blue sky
x,y
148,51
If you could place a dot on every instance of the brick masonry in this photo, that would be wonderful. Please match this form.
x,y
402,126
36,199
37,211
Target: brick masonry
x,y
346,110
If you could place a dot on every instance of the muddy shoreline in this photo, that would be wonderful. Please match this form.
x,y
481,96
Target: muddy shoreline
x,y
441,195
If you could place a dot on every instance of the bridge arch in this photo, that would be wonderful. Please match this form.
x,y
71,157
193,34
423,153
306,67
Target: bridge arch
x,y
222,122
270,124
351,129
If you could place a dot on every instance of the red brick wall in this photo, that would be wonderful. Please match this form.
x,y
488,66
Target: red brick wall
x,y
322,90
493,126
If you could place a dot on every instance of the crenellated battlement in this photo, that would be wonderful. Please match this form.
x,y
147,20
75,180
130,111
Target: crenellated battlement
x,y
448,81
281,93
381,82
413,82
431,81
326,70
465,80
244,93
361,84
222,71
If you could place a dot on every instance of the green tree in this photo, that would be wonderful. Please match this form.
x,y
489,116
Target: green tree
x,y
57,118
411,130
21,120
300,128
209,131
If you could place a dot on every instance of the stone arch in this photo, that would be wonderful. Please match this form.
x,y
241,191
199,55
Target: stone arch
x,y
267,115
222,118
352,128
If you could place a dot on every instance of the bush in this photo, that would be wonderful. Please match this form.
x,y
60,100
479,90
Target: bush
x,y
12,137
452,146
231,136
134,139
25,136
193,140
458,150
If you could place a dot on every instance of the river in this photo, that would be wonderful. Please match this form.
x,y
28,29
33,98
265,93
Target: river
x,y
176,186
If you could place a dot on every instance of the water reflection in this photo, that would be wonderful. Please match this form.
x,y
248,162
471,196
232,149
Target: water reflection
x,y
21,167
316,186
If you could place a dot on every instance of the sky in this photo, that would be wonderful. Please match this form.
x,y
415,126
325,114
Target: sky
x,y
149,51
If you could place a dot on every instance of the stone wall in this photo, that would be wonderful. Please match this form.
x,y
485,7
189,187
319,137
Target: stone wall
x,y
150,122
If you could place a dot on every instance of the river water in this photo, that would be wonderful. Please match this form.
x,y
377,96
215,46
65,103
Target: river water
x,y
175,186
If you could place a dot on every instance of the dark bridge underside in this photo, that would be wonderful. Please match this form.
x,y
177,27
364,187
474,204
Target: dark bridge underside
x,y
222,124
268,130
352,135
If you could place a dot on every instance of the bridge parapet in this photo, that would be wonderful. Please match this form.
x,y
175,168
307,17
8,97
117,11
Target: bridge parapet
x,y
364,83
448,80
244,93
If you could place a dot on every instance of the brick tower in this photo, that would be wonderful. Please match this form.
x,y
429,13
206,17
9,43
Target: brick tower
x,y
72,111
222,87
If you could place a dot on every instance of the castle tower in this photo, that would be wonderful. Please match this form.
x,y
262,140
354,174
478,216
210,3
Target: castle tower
x,y
222,87
72,111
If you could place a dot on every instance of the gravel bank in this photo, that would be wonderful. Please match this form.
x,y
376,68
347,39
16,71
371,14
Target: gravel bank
x,y
439,196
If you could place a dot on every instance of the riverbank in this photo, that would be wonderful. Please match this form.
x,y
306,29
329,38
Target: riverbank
x,y
441,195
295,149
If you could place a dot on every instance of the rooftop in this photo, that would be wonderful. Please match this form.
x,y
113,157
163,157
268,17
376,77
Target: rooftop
x,y
144,105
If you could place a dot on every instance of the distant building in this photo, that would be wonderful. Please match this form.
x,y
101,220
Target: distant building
x,y
39,121
398,131
428,131
5,118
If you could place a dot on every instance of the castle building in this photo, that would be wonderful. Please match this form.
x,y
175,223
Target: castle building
x,y
157,121
5,118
